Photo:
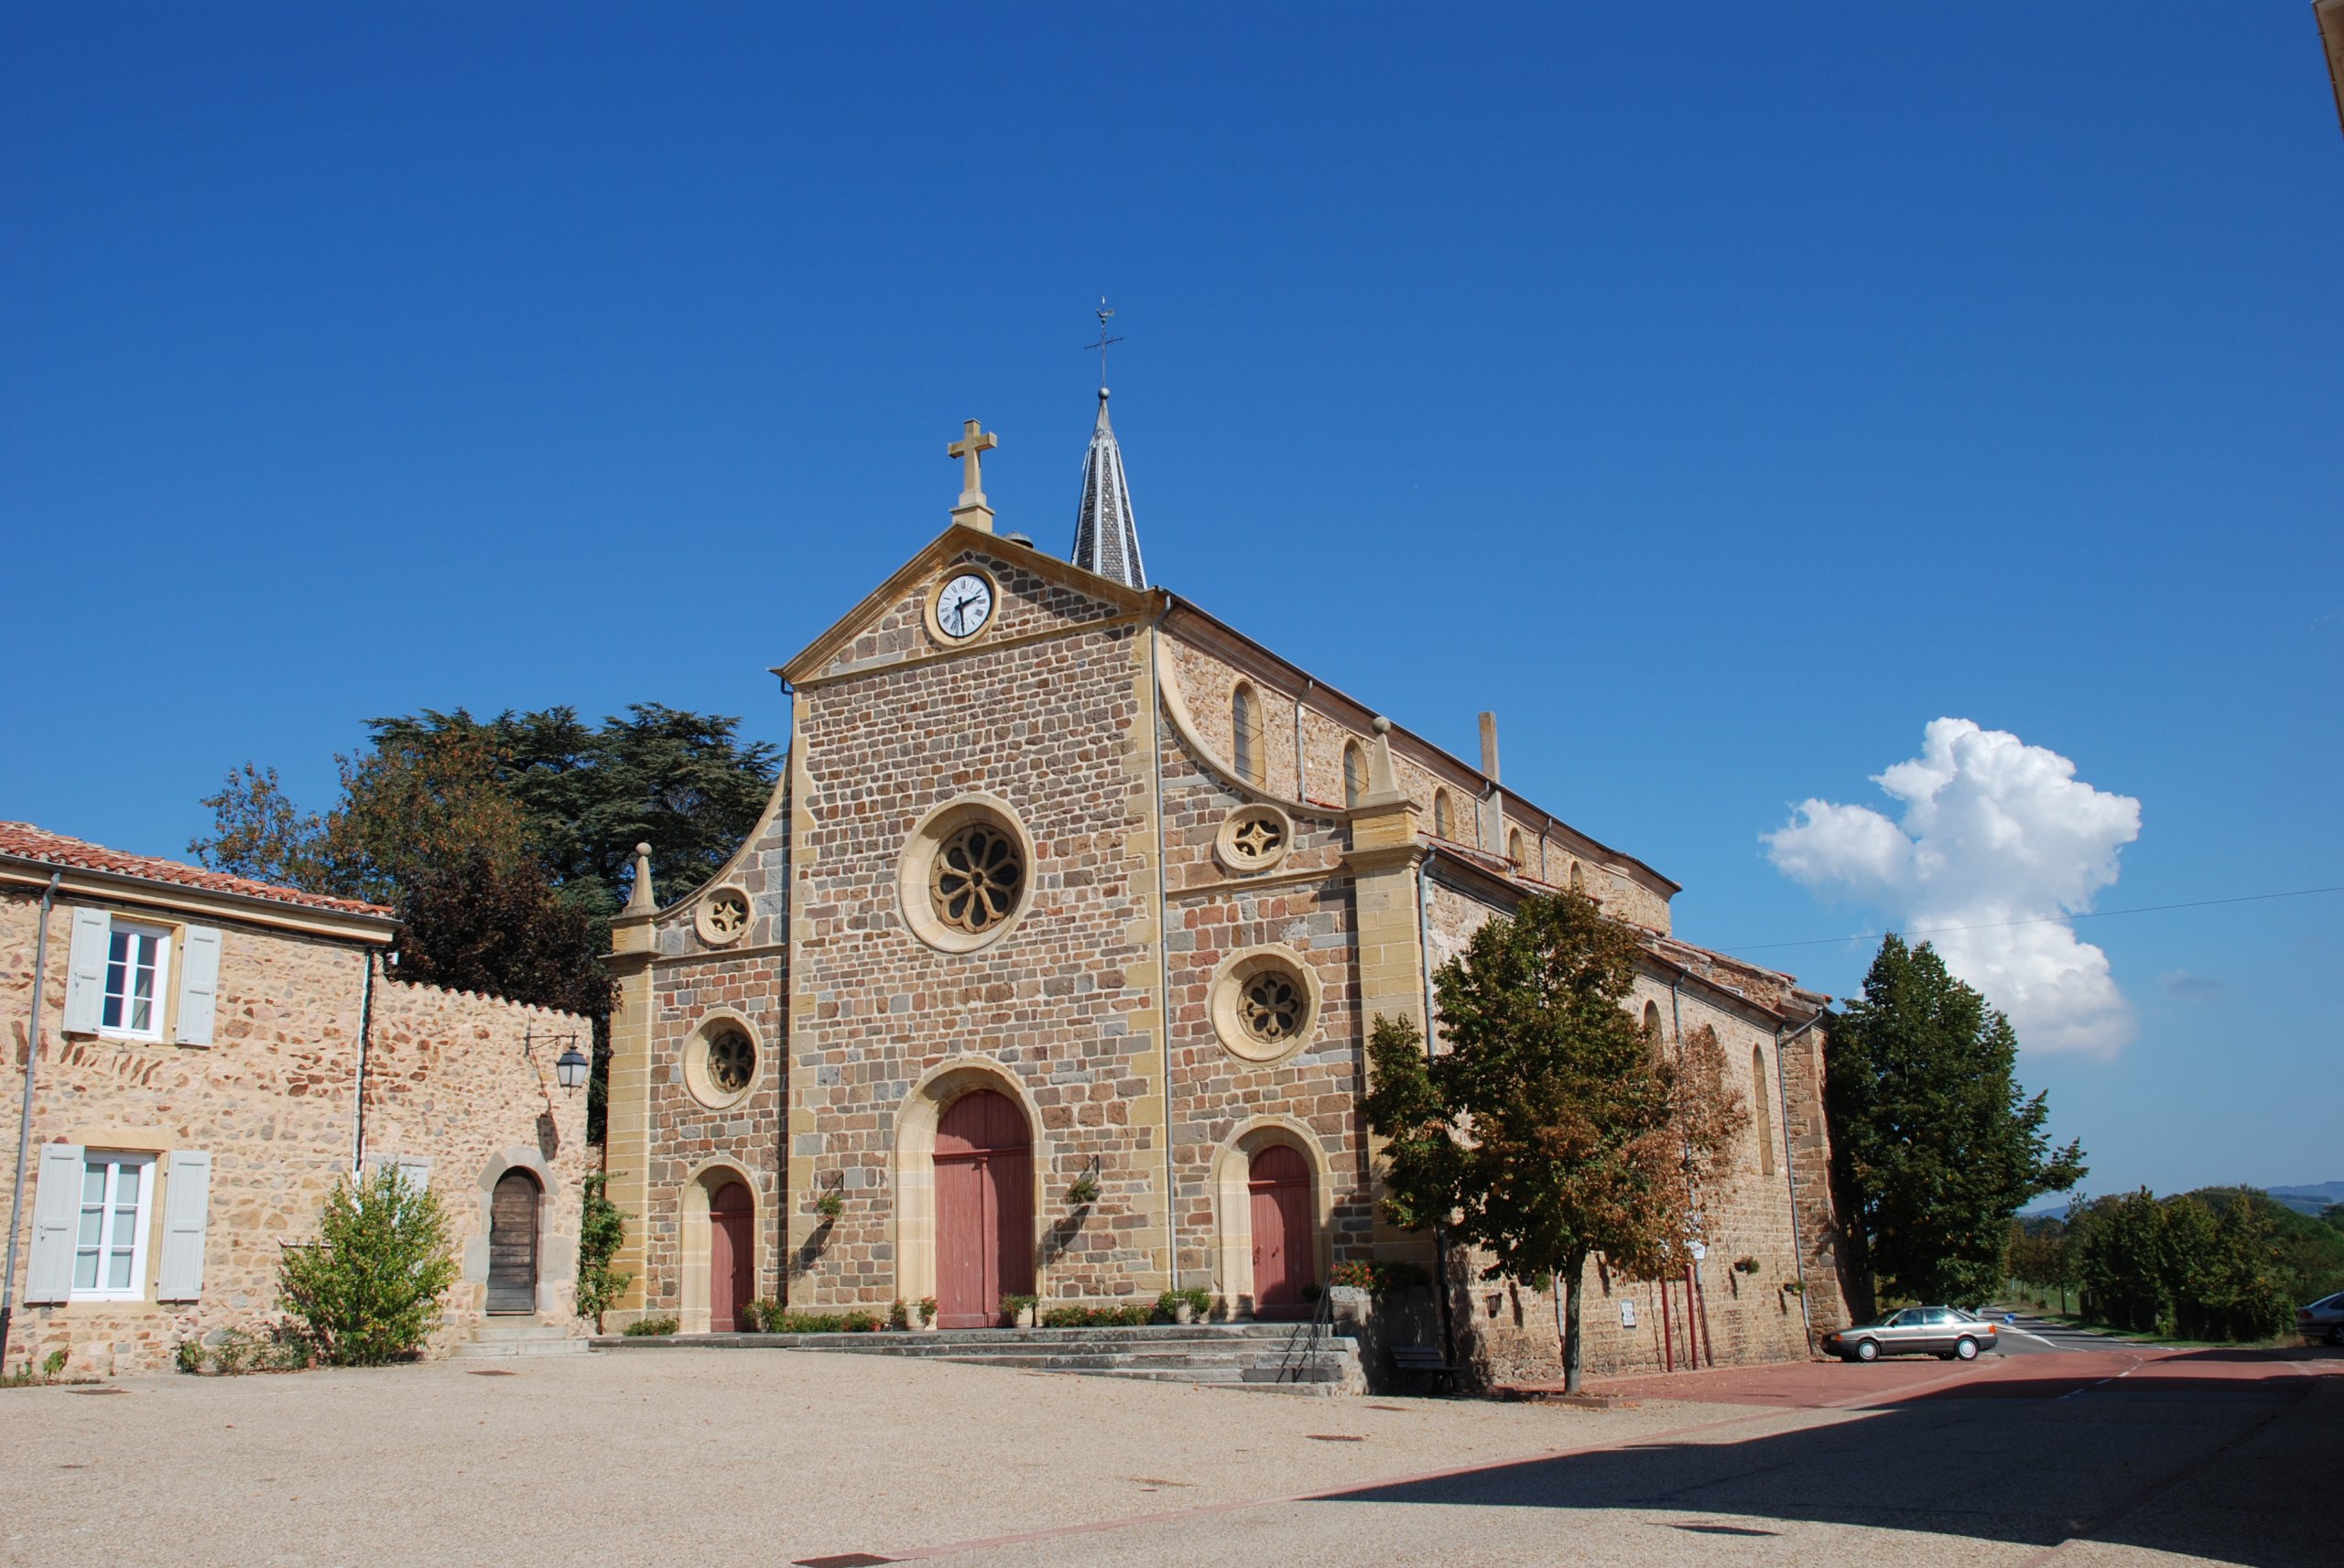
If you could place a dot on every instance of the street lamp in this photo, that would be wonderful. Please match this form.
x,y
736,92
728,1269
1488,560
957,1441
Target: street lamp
x,y
569,1068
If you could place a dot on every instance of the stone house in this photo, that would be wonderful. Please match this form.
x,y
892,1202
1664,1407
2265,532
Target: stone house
x,y
1049,970
214,1054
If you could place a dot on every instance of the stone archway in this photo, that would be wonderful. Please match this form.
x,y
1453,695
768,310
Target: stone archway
x,y
914,1173
717,1183
1232,1177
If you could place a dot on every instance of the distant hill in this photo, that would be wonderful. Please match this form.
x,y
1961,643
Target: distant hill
x,y
2309,1200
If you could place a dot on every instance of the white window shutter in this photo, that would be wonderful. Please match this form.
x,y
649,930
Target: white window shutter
x,y
85,983
198,984
187,1204
57,1212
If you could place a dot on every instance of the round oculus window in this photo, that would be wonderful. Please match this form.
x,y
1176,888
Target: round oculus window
x,y
722,917
721,1062
976,878
1254,838
1270,1007
731,1061
1264,1003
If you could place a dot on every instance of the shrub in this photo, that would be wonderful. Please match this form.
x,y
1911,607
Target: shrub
x,y
1097,1316
1198,1299
53,1363
763,1315
804,1323
1013,1306
279,1346
859,1322
601,1229
368,1289
1378,1280
899,1315
649,1327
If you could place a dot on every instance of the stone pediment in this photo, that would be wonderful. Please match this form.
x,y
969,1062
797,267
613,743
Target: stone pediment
x,y
1032,595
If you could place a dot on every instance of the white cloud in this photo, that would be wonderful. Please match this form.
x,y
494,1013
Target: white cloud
x,y
1993,831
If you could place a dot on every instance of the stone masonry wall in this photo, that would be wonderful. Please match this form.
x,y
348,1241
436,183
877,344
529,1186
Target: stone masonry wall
x,y
1057,728
272,1100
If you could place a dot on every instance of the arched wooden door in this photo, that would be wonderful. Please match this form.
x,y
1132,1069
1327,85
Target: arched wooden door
x,y
513,1243
1284,1256
984,1210
732,1256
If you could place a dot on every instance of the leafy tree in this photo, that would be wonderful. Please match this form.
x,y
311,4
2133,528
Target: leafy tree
x,y
601,1230
368,1289
1933,1147
478,923
2040,1255
1550,1129
2121,1260
2200,1265
259,833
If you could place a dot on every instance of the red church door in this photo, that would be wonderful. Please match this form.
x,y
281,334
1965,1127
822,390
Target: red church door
x,y
984,1210
1282,1254
732,1256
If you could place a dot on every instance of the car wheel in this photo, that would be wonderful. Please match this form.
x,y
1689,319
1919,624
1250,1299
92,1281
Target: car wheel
x,y
1966,1348
2336,1334
1866,1350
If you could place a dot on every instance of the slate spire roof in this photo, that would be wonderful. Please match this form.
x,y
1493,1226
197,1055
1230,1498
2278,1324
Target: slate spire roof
x,y
1106,540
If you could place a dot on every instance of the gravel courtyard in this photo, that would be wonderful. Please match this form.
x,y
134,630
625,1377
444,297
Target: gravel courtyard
x,y
716,1456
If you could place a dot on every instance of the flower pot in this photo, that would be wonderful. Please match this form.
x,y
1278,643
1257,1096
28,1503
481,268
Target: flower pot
x,y
1183,1312
1348,1302
1025,1318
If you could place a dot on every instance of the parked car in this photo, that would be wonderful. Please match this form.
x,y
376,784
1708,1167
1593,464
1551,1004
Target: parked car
x,y
2324,1319
1915,1331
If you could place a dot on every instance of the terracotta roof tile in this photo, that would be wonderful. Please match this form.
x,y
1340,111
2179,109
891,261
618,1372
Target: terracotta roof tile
x,y
28,842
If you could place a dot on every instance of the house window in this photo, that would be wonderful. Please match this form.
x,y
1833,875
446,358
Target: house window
x,y
138,961
1245,725
110,1246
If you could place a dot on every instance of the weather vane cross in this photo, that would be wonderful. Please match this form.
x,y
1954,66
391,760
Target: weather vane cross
x,y
1104,343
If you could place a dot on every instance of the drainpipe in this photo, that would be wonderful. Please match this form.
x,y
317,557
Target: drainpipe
x,y
1790,1172
1299,779
25,1115
1439,1243
366,1022
1163,938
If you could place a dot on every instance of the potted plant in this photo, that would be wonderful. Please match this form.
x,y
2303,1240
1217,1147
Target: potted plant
x,y
829,1206
1191,1305
1084,1192
927,1311
1020,1310
1745,1265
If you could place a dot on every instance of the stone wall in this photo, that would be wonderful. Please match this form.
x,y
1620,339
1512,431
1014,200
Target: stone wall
x,y
273,1101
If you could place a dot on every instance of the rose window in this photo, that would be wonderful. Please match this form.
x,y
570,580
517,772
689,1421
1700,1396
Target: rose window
x,y
730,1059
976,878
1271,1007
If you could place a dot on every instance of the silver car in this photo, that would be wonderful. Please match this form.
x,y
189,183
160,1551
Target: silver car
x,y
2324,1319
1915,1331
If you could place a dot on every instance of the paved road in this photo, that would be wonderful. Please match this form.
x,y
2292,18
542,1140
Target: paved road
x,y
2065,1459
2034,1336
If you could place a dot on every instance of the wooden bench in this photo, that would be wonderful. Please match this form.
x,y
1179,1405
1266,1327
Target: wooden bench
x,y
1425,1358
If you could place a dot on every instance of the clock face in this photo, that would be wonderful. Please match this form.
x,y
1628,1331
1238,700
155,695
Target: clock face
x,y
964,606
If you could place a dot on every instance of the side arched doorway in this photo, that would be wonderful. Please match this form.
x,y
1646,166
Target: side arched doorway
x,y
984,1208
1285,1252
512,1242
732,1256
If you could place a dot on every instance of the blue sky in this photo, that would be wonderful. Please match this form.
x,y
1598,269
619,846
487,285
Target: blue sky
x,y
1721,394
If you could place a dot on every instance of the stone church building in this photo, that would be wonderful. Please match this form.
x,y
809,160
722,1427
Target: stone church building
x,y
1049,968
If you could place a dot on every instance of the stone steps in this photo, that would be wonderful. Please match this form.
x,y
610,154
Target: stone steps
x,y
495,1341
1260,1356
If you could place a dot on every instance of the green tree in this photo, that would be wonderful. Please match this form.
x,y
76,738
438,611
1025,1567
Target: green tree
x,y
1550,1128
368,1289
1934,1149
2119,1245
601,1229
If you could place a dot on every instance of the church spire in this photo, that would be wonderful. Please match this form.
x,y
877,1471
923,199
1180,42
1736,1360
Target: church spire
x,y
1106,540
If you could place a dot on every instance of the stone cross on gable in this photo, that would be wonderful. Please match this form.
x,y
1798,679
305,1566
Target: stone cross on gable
x,y
974,442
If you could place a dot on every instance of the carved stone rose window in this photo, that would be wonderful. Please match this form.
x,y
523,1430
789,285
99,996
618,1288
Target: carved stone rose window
x,y
721,1061
976,878
1264,1003
966,878
1271,1007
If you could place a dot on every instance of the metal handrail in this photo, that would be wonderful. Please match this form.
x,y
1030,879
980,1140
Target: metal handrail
x,y
1321,1316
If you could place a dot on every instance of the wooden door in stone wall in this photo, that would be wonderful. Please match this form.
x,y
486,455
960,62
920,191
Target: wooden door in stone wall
x,y
513,1243
984,1210
732,1256
1284,1256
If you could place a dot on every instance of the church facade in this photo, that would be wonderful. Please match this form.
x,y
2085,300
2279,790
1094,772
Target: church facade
x,y
1049,968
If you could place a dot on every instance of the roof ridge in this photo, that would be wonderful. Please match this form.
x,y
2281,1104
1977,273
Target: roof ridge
x,y
29,842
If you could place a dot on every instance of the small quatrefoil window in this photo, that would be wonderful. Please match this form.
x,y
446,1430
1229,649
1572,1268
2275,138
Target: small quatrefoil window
x,y
723,917
1271,1007
730,1060
1254,838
